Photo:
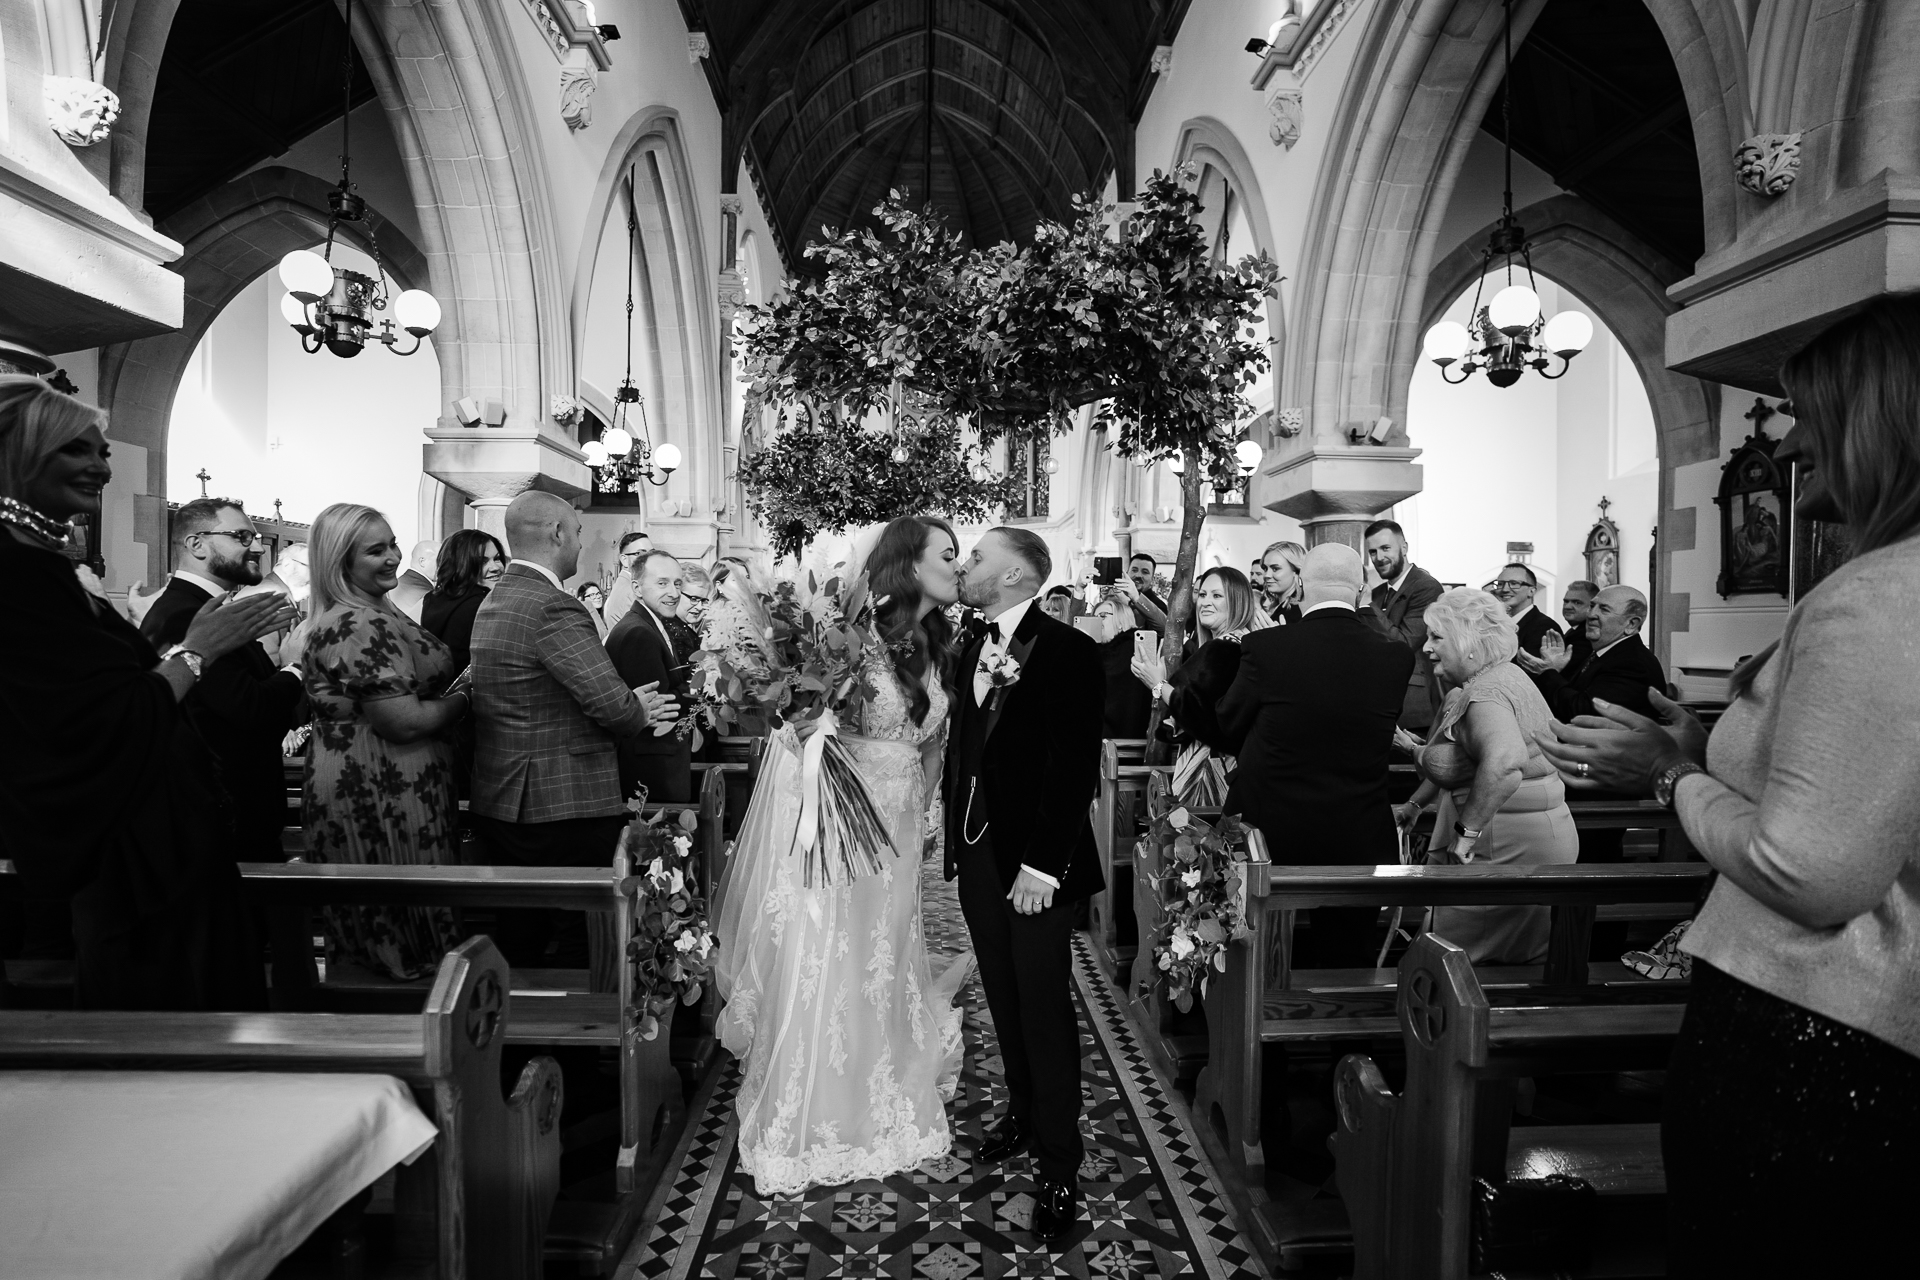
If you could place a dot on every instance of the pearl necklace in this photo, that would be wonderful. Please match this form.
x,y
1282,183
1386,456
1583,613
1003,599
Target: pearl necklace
x,y
42,526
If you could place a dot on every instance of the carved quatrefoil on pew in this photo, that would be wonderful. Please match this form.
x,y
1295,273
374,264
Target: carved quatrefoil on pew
x,y
1427,1018
483,1014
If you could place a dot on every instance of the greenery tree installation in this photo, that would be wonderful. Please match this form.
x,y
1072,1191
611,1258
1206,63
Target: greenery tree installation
x,y
1136,318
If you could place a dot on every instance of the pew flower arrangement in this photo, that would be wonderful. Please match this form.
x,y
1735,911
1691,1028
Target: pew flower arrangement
x,y
798,655
672,947
1199,885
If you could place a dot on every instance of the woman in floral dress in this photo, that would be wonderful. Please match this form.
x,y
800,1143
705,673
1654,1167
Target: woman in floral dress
x,y
380,784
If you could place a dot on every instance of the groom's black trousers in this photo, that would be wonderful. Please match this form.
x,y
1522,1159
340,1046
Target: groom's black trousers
x,y
1026,970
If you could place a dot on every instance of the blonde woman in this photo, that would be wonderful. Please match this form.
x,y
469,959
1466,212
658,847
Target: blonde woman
x,y
1501,800
1281,593
380,772
1224,610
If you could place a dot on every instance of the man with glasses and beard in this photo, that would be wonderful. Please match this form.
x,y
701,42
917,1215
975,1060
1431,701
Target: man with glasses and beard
x,y
244,702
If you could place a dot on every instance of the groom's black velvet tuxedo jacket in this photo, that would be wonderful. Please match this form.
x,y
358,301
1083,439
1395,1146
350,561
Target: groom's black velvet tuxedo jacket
x,y
1031,757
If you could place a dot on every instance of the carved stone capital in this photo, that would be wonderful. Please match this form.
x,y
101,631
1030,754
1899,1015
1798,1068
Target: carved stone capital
x,y
732,294
1287,109
1290,422
80,112
577,87
1767,163
731,204
698,46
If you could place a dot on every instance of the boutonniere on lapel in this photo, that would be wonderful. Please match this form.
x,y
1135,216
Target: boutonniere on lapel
x,y
1001,670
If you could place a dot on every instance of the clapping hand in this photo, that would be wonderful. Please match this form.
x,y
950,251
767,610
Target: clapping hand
x,y
662,708
1554,655
224,624
1622,750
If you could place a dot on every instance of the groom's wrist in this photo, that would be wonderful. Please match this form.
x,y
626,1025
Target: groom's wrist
x,y
1041,876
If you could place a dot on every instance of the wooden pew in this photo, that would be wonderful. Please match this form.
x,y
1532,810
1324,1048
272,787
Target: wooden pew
x,y
1117,811
478,1204
1406,1163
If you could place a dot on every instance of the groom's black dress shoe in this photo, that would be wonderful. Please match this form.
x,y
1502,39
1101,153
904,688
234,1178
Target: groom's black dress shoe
x,y
1007,1138
1056,1208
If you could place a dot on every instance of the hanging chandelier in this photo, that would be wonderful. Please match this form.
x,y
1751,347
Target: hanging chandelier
x,y
1508,335
621,457
333,307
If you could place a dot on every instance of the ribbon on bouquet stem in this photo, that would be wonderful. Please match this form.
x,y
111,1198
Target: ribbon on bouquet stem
x,y
812,755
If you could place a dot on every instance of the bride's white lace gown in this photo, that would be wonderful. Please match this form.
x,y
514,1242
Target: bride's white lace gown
x,y
850,1046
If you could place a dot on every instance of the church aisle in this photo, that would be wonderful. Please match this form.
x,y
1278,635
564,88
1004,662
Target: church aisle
x,y
1151,1208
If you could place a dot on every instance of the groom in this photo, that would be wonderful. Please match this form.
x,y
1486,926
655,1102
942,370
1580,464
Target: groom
x,y
1023,763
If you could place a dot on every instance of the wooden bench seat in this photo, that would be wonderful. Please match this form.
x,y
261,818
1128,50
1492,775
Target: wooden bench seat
x,y
477,1205
1406,1163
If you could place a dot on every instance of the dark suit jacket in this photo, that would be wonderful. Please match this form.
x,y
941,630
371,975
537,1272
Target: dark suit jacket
x,y
1128,702
243,706
1402,615
643,654
1532,625
1620,675
1039,765
1311,715
449,619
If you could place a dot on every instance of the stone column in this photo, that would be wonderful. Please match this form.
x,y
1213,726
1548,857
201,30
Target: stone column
x,y
1335,490
490,514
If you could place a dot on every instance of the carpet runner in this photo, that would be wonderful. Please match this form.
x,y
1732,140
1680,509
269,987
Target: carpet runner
x,y
1150,1205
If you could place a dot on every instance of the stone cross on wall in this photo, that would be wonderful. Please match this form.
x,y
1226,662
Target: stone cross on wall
x,y
202,476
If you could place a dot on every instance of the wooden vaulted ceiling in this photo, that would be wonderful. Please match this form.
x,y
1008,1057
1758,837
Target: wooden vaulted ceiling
x,y
241,81
998,111
1597,104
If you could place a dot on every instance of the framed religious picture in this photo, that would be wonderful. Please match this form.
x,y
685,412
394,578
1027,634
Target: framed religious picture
x,y
1602,550
1755,500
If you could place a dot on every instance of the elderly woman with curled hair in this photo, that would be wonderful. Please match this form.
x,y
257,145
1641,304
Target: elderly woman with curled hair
x,y
1501,800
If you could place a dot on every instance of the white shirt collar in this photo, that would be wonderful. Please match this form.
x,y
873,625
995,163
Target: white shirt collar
x,y
1620,641
1328,604
1011,618
1405,569
200,580
542,570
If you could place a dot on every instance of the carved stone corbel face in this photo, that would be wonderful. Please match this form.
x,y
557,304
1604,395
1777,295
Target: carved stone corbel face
x,y
80,112
1287,108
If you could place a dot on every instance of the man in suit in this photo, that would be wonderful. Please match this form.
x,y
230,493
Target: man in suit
x,y
1516,586
1022,767
1400,611
642,651
1576,606
634,547
1137,586
1311,716
549,709
1620,671
246,702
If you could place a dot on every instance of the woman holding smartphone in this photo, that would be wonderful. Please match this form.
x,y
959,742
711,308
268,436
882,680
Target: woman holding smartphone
x,y
1225,611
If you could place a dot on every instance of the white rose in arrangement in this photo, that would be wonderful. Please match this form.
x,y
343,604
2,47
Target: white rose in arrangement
x,y
685,942
1180,944
1191,878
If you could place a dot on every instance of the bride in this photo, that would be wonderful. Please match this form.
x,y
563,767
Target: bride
x,y
850,1046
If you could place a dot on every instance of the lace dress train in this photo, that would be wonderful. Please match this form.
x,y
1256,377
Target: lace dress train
x,y
850,1046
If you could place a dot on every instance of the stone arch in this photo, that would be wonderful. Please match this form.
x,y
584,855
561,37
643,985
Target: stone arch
x,y
1624,282
1205,140
675,267
231,237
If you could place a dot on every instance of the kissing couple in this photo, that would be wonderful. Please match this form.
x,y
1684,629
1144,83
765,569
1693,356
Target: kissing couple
x,y
988,749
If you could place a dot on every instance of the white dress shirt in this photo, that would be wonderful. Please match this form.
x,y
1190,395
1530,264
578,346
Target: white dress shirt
x,y
542,570
1329,604
1009,621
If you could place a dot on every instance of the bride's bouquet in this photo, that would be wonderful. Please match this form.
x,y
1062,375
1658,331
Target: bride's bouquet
x,y
798,656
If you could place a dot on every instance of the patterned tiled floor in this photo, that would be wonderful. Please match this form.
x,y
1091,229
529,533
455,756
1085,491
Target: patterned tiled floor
x,y
1150,1207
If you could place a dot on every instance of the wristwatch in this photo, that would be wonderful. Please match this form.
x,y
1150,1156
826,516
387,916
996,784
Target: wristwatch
x,y
186,655
1664,784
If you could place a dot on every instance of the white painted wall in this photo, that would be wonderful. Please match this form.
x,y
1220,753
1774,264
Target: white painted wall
x,y
266,420
1530,463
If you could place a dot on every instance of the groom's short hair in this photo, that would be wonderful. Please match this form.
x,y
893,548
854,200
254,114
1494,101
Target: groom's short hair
x,y
1031,548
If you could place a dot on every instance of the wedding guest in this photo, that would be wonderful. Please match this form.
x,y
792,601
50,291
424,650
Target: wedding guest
x,y
471,562
1139,586
1399,610
590,595
1224,611
1516,585
1128,702
1620,668
1280,570
379,783
1501,800
110,802
682,629
1805,996
549,709
643,653
1312,715
410,592
245,704
1575,606
1058,604
634,547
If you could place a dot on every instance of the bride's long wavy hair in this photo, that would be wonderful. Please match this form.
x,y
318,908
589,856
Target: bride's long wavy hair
x,y
921,647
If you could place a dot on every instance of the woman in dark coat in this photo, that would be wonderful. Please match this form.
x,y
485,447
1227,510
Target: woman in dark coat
x,y
471,561
1225,610
110,800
